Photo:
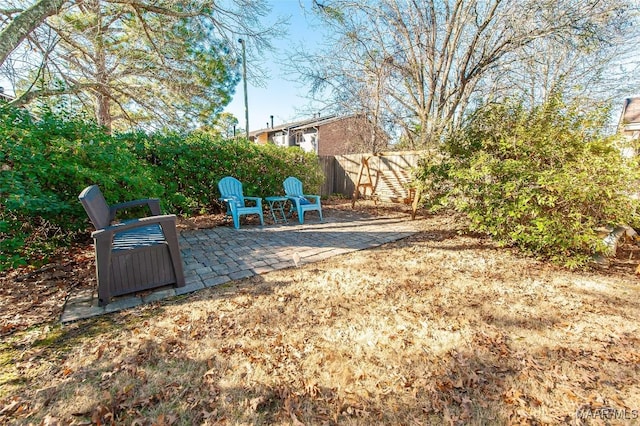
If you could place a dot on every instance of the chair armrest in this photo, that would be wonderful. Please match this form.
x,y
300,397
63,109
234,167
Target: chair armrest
x,y
109,231
257,200
313,197
231,203
153,203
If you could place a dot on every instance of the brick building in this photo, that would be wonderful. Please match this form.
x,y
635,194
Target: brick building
x,y
326,136
630,118
629,125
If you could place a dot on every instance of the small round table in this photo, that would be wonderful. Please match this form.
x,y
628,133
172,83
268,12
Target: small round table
x,y
276,207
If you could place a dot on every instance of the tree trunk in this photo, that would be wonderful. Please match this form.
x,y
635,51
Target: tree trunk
x,y
103,112
25,23
103,102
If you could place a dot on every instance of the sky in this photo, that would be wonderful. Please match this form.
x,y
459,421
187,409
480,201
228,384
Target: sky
x,y
279,97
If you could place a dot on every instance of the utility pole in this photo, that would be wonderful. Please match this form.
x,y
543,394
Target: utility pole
x,y
244,78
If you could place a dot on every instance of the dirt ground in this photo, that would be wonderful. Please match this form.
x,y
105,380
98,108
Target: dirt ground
x,y
443,327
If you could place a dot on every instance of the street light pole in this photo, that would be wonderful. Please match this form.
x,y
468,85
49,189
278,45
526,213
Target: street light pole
x,y
244,78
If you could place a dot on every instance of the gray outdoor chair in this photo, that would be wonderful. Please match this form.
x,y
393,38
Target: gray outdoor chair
x,y
132,255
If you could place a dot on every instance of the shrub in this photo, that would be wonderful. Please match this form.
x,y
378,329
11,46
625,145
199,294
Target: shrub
x,y
190,166
543,180
46,162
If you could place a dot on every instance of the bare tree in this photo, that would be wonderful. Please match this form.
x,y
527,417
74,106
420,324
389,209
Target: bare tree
x,y
24,23
425,63
597,66
145,63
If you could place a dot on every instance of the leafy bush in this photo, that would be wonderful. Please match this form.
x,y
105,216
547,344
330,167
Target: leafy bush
x,y
189,168
45,163
543,180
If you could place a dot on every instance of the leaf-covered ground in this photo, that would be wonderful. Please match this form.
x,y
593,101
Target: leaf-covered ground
x,y
439,328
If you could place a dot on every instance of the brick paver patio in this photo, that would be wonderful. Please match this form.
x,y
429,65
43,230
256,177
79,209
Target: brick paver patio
x,y
215,256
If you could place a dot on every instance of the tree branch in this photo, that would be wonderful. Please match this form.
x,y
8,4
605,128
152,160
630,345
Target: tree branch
x,y
25,23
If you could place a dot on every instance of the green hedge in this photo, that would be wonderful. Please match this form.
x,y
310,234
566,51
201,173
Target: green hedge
x,y
45,163
189,168
543,179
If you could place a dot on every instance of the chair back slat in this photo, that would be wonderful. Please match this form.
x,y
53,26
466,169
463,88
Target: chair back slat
x,y
292,187
231,187
96,206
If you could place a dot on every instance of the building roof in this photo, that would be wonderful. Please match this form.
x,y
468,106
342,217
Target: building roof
x,y
300,125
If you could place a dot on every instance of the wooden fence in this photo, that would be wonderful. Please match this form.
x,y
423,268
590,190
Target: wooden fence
x,y
390,174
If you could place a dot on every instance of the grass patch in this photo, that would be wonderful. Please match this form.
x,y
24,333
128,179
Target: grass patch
x,y
10,379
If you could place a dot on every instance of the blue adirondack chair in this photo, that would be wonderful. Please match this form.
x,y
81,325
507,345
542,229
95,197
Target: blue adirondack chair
x,y
231,193
301,202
